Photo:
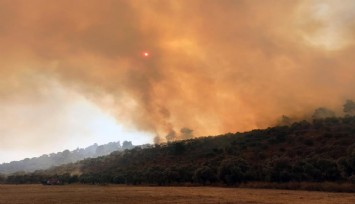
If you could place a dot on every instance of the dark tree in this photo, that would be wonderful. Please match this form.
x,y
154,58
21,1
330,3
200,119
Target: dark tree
x,y
205,175
232,171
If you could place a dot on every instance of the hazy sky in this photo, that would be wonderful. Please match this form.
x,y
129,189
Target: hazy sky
x,y
74,72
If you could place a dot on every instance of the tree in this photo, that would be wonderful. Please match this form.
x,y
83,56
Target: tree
x,y
329,169
281,170
349,107
344,167
155,175
127,145
171,175
118,178
73,179
232,171
100,150
311,172
205,175
177,148
2,178
64,178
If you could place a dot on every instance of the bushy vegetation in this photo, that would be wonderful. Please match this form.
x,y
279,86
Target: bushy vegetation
x,y
321,151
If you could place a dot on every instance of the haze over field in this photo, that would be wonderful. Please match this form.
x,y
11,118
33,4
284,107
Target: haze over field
x,y
77,72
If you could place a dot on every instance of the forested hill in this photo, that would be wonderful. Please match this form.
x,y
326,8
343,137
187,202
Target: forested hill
x,y
55,159
323,150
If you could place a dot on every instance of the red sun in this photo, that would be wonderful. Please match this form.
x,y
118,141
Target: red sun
x,y
145,54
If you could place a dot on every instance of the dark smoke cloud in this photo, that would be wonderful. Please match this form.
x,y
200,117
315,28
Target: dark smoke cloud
x,y
214,66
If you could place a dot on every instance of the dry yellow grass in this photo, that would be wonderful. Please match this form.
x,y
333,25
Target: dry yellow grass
x,y
132,194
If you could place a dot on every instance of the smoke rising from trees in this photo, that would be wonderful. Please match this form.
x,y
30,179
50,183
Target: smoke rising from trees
x,y
213,66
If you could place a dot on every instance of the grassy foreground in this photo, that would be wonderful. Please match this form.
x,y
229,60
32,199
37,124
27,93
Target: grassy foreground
x,y
133,194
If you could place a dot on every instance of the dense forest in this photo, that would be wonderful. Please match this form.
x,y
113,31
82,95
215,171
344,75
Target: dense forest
x,y
55,159
319,151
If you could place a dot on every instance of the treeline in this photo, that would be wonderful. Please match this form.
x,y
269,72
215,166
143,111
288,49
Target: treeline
x,y
55,159
318,151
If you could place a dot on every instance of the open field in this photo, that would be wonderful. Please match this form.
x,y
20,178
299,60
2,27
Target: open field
x,y
133,194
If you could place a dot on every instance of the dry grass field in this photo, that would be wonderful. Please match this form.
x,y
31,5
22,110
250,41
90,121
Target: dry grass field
x,y
133,194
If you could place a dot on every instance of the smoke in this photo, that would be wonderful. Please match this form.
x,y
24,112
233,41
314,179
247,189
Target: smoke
x,y
213,66
349,107
185,133
321,113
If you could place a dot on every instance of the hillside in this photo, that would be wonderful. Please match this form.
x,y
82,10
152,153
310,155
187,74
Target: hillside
x,y
323,150
55,159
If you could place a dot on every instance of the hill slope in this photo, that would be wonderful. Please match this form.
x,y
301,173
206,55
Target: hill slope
x,y
55,159
323,150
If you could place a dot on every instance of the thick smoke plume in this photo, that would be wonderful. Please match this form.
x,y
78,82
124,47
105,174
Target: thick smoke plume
x,y
213,66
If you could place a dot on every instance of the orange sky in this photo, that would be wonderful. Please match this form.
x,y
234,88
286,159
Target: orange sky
x,y
213,66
